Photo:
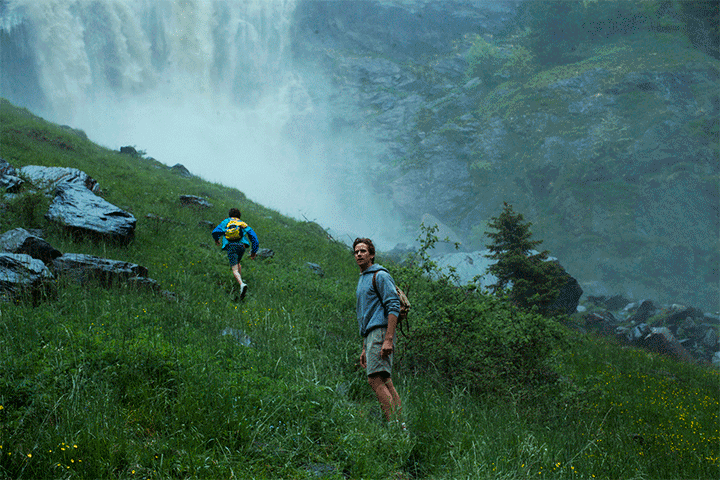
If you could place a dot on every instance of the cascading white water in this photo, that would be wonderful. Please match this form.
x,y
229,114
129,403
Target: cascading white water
x,y
204,83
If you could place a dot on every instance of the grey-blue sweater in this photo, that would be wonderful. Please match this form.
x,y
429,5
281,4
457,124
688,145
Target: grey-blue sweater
x,y
371,312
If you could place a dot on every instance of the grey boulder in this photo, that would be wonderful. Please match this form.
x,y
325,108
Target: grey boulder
x,y
20,240
83,213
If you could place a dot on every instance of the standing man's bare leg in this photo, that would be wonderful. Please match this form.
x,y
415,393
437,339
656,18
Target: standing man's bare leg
x,y
386,395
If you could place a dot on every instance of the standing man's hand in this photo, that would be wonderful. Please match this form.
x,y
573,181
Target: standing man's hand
x,y
252,256
217,242
387,348
363,359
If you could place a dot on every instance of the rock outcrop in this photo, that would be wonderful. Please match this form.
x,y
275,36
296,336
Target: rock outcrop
x,y
29,265
22,276
83,268
77,206
20,240
680,332
49,178
85,214
9,181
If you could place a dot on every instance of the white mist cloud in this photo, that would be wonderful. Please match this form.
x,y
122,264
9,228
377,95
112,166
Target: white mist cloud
x,y
206,84
277,155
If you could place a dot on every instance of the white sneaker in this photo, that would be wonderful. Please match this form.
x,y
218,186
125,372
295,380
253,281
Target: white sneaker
x,y
243,290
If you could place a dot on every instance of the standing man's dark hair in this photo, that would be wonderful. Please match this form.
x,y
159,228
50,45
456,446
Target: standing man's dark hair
x,y
234,234
378,307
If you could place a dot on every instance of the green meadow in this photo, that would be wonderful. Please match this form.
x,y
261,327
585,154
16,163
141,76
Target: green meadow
x,y
121,383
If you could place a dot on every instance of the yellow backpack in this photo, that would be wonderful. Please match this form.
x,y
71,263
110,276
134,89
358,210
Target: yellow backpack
x,y
235,230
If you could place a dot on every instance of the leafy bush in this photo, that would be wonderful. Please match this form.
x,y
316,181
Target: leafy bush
x,y
481,343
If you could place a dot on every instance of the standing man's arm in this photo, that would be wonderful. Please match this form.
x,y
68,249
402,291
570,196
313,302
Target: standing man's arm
x,y
363,358
387,347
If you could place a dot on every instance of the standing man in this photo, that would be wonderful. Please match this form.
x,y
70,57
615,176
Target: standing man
x,y
234,234
378,307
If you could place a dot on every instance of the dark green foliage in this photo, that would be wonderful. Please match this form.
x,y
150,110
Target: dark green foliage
x,y
559,27
479,343
535,281
26,210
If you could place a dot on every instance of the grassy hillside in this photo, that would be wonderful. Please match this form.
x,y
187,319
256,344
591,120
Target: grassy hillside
x,y
124,384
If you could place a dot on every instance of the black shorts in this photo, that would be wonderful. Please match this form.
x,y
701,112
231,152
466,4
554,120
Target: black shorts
x,y
235,251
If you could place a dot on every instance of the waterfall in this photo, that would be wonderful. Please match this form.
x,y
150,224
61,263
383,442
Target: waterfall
x,y
84,49
205,83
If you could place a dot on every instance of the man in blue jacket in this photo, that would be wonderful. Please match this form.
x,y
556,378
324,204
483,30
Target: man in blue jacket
x,y
378,307
235,245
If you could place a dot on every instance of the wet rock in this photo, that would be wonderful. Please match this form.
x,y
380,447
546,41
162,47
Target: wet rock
x,y
602,322
144,283
20,240
180,170
238,335
9,181
194,201
85,214
49,178
643,312
22,275
83,268
661,340
316,269
569,295
129,150
716,360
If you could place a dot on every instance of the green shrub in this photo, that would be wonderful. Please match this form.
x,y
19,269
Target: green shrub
x,y
481,343
26,210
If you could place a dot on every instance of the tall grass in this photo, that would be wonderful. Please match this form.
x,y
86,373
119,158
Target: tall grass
x,y
120,383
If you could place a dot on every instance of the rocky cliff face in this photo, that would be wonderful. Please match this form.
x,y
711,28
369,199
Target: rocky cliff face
x,y
610,149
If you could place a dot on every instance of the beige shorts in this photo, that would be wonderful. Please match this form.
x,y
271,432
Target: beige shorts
x,y
373,346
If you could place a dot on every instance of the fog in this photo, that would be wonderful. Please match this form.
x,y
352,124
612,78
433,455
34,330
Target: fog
x,y
208,85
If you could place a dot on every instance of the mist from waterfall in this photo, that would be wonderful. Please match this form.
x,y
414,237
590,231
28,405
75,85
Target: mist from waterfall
x,y
206,84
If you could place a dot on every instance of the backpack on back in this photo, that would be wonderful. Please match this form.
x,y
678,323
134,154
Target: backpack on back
x,y
404,302
235,230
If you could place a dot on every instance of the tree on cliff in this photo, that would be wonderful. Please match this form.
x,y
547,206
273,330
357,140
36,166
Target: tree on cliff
x,y
534,281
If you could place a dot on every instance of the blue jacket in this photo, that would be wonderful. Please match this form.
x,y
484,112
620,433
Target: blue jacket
x,y
371,311
219,232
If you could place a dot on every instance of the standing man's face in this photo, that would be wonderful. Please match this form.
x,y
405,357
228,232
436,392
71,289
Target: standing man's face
x,y
363,257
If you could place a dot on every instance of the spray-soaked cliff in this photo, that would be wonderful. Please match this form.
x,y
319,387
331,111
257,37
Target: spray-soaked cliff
x,y
597,120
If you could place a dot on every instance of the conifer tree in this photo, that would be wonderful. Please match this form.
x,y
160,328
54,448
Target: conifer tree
x,y
534,281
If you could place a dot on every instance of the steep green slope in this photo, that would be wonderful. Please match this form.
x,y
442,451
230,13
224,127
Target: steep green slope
x,y
119,383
